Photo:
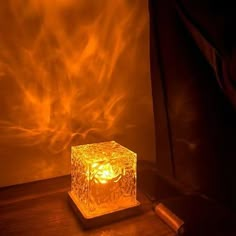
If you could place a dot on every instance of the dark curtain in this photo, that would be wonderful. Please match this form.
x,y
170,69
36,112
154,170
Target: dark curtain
x,y
212,26
193,82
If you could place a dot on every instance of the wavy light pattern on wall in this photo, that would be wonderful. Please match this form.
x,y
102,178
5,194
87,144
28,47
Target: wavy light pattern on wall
x,y
64,69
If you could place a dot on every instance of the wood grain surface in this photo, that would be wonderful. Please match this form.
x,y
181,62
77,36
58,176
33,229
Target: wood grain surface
x,y
42,208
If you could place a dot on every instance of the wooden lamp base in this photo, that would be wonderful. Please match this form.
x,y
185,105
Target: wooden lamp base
x,y
102,219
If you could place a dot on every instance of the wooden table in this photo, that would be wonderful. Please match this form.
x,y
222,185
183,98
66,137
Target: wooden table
x,y
42,208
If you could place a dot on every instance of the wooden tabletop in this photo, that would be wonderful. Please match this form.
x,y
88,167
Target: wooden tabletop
x,y
42,208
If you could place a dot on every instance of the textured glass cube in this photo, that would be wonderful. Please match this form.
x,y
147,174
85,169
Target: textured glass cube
x,y
103,178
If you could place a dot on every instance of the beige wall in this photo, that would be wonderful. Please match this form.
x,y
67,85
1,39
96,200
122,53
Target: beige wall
x,y
71,72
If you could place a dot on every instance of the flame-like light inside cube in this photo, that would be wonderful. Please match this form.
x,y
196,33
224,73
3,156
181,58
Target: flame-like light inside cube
x,y
103,178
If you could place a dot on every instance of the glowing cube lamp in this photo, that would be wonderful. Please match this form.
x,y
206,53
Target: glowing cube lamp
x,y
103,185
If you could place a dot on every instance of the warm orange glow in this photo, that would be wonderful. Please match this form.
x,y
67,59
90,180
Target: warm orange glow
x,y
105,173
103,178
64,69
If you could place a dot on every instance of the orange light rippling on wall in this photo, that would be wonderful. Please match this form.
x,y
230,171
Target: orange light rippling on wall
x,y
64,69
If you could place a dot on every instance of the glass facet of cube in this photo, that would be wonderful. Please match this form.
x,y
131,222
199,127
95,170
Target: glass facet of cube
x,y
103,178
